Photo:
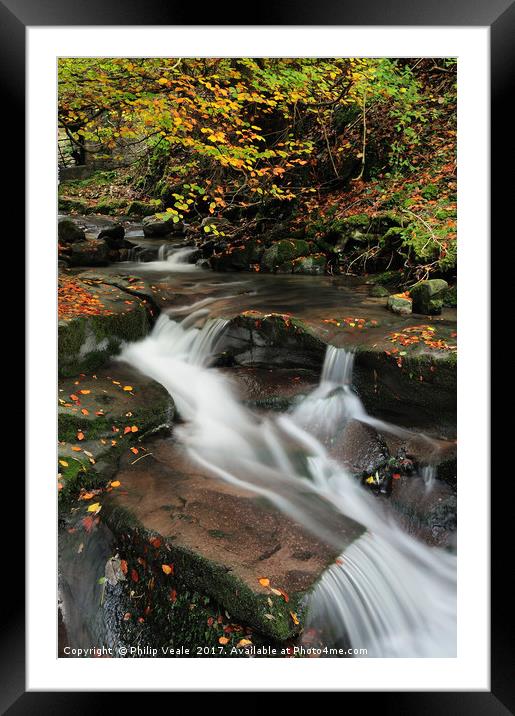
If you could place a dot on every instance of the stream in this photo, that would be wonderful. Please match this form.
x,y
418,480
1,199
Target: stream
x,y
388,592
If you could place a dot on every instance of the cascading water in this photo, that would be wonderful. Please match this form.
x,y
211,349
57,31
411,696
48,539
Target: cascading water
x,y
389,593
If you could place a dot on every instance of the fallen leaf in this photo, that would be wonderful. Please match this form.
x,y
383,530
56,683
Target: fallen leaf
x,y
116,483
134,429
123,566
243,642
85,392
295,619
264,581
127,387
95,507
167,568
80,435
63,463
134,450
223,640
85,411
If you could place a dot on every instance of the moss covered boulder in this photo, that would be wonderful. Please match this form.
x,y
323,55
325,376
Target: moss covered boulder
x,y
95,320
428,296
399,303
144,208
313,265
282,252
69,233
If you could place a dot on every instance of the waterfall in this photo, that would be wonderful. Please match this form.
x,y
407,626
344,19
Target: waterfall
x,y
171,259
388,593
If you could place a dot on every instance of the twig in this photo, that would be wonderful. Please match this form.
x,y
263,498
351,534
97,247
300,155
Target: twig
x,y
140,458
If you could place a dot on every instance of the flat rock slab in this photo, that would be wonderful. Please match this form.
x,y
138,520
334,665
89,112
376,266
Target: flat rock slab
x,y
96,411
222,538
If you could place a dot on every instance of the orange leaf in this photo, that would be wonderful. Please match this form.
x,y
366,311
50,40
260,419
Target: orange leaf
x,y
116,483
264,581
126,430
167,568
134,428
127,387
85,392
294,618
134,450
84,411
223,640
123,566
80,435
76,448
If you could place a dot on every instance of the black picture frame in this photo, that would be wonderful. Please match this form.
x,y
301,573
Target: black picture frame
x,y
499,16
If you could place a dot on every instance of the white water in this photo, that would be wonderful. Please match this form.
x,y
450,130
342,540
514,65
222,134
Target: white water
x,y
391,594
170,259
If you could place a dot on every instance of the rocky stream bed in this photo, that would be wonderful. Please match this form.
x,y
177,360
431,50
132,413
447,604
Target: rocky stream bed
x,y
157,550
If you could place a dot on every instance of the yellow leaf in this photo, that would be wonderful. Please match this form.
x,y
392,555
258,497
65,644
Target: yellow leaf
x,y
127,387
294,618
63,463
95,507
243,642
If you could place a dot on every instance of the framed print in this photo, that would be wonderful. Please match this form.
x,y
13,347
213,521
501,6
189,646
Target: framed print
x,y
258,394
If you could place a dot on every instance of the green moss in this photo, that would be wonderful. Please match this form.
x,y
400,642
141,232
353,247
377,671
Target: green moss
x,y
110,206
144,208
99,337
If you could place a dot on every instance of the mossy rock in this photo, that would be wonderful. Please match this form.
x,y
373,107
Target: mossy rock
x,y
313,265
378,291
72,205
399,304
428,296
110,206
69,233
282,252
416,389
87,342
144,208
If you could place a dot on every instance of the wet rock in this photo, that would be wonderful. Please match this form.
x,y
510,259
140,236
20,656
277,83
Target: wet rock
x,y
154,227
114,236
399,304
91,253
238,258
69,233
431,510
253,338
428,296
87,341
362,448
313,265
378,291
283,251
222,540
204,264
